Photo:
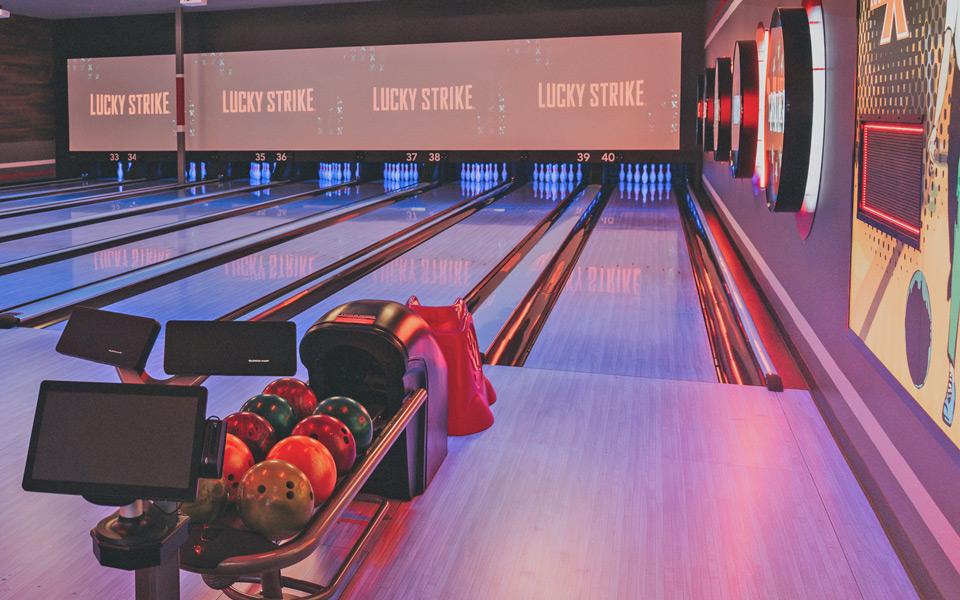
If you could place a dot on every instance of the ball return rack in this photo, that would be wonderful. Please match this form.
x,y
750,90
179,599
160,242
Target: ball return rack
x,y
148,536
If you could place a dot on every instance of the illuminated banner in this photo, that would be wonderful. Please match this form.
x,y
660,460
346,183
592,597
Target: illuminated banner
x,y
126,103
544,94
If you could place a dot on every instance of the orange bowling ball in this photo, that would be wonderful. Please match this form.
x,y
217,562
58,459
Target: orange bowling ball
x,y
237,460
311,457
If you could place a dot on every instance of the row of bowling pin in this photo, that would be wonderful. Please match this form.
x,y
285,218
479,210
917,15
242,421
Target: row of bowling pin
x,y
337,171
123,170
483,172
196,171
553,191
261,171
401,172
632,173
553,172
644,192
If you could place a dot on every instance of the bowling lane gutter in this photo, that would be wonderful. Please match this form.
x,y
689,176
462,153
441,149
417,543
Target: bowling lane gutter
x,y
492,280
78,188
519,333
53,256
25,232
39,208
54,308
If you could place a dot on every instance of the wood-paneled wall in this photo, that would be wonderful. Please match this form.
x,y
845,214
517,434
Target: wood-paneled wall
x,y
26,86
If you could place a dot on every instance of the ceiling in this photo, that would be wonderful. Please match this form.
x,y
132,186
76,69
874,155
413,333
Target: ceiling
x,y
73,9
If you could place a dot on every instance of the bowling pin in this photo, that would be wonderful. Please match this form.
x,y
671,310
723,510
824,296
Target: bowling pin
x,y
265,172
255,170
579,172
192,171
563,173
644,178
119,171
669,176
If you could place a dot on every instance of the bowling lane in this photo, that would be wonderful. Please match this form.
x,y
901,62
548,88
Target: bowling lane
x,y
18,288
145,199
449,265
80,235
490,316
11,200
630,306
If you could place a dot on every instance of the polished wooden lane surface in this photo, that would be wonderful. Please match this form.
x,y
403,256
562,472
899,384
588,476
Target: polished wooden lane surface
x,y
630,306
60,276
587,486
598,486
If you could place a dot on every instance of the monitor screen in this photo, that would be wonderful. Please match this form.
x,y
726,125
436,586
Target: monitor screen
x,y
116,440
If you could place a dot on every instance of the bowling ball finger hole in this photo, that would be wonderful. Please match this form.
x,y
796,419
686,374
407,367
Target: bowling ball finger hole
x,y
289,495
262,489
346,440
230,476
289,485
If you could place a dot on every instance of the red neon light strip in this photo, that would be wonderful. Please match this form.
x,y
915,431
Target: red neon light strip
x,y
890,219
918,129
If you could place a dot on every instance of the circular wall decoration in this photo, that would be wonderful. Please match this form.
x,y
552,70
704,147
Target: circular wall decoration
x,y
789,104
744,110
917,329
760,173
708,82
721,109
818,53
700,110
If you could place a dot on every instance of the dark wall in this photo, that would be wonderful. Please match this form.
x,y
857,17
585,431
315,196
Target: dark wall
x,y
815,274
26,90
391,23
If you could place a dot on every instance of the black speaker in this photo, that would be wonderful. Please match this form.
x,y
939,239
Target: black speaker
x,y
109,338
230,348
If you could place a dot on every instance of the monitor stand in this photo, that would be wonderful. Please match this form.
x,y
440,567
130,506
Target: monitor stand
x,y
144,537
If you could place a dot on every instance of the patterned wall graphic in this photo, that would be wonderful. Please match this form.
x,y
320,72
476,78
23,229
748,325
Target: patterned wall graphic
x,y
905,298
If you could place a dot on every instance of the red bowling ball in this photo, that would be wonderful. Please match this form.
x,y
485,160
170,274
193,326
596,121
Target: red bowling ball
x,y
334,435
255,431
237,460
297,393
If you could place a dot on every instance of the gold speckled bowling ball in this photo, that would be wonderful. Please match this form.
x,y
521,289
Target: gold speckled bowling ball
x,y
211,498
276,499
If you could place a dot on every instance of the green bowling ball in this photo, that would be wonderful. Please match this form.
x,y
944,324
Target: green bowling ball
x,y
276,499
275,410
211,498
352,414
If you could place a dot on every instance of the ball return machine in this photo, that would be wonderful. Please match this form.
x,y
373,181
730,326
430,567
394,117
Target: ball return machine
x,y
378,352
